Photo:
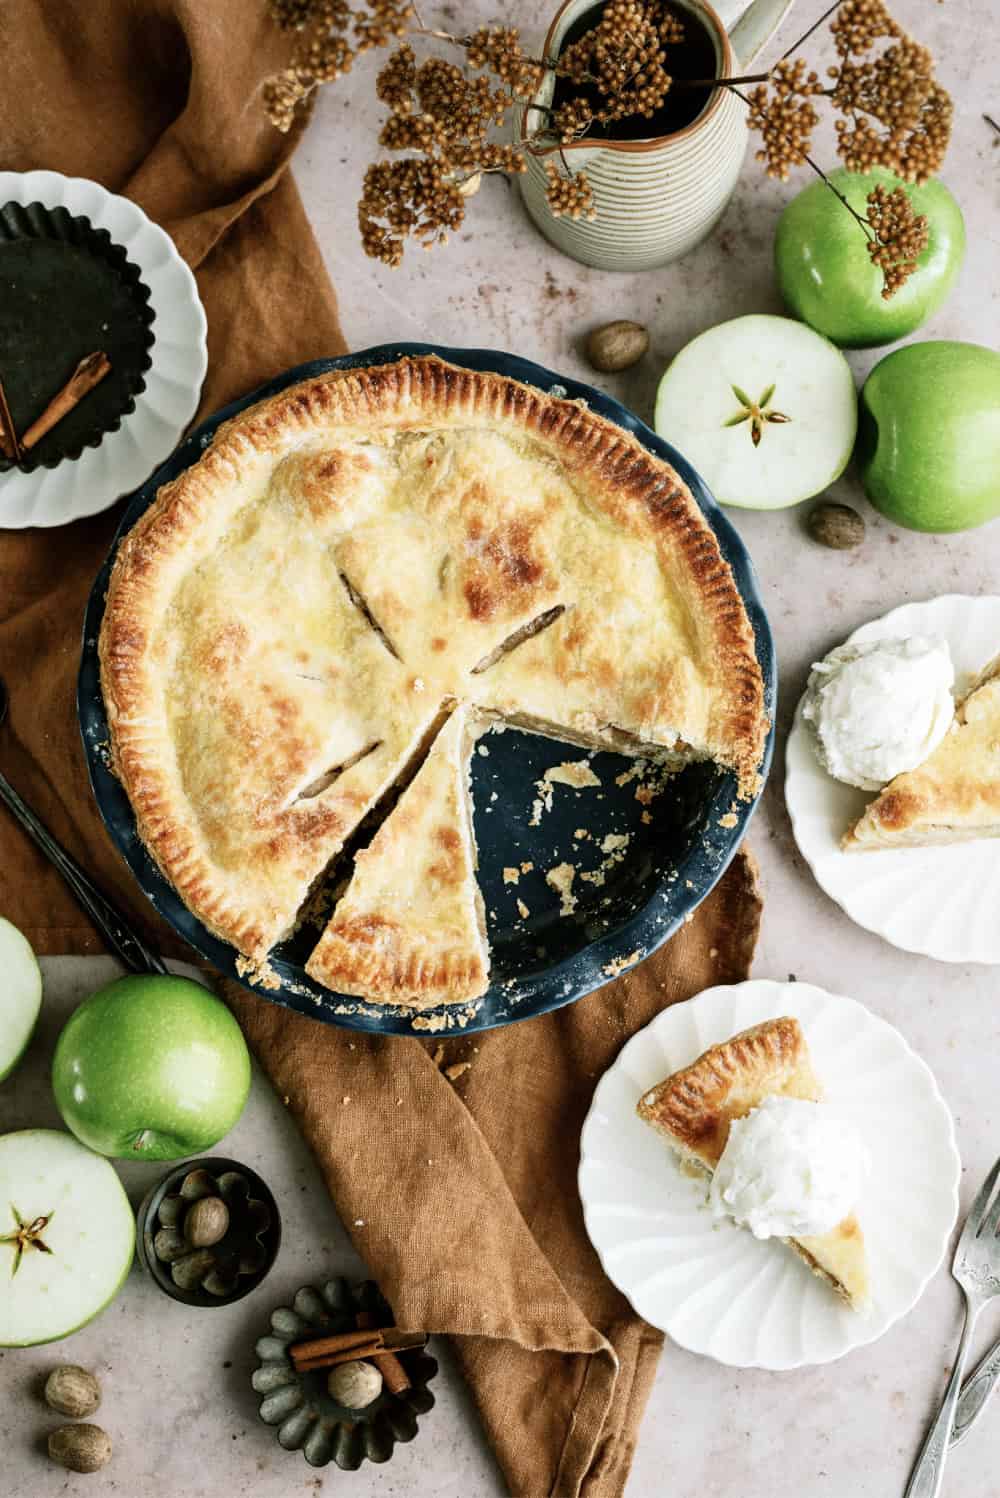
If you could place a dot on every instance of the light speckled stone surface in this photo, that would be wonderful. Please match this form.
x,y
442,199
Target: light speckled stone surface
x,y
177,1394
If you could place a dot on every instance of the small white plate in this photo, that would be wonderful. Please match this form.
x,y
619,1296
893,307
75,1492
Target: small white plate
x,y
149,434
711,1285
941,902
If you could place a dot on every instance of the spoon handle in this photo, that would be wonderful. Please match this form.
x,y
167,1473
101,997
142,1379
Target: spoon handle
x,y
119,936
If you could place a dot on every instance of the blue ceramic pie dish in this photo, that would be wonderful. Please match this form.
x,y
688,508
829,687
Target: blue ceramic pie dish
x,y
541,959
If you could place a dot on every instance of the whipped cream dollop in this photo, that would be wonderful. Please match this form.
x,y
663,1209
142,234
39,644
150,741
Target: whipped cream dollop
x,y
790,1169
880,708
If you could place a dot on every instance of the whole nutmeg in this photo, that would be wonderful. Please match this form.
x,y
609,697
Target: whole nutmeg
x,y
170,1244
617,345
835,525
355,1384
207,1222
80,1448
72,1391
197,1183
189,1272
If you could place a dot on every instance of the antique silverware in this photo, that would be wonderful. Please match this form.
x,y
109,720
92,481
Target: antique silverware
x,y
976,1267
124,942
975,1393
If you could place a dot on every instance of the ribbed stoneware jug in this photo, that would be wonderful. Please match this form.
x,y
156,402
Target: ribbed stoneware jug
x,y
655,199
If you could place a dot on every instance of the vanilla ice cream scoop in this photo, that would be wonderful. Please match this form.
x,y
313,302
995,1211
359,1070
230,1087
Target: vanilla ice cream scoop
x,y
790,1169
880,708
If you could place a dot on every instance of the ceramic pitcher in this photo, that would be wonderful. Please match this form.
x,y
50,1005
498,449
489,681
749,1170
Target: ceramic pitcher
x,y
658,198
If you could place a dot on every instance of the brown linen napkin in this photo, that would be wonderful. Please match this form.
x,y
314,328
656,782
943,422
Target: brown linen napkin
x,y
157,101
460,1194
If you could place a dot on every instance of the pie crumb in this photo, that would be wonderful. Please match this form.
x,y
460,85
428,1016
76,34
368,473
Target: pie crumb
x,y
729,820
527,866
582,833
561,879
456,1070
346,1098
577,773
615,968
511,876
614,841
438,1056
482,749
523,910
646,818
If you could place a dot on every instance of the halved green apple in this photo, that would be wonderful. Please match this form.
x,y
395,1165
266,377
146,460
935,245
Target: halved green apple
x,y
67,1236
20,996
763,407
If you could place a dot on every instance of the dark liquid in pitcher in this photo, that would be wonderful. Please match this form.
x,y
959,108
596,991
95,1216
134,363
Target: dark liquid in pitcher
x,y
694,57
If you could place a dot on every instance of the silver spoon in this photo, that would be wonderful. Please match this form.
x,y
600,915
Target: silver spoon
x,y
121,939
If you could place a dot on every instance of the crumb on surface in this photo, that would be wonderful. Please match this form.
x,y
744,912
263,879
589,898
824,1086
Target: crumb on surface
x,y
577,773
523,910
438,1056
728,820
511,875
646,818
561,880
617,966
456,1070
527,866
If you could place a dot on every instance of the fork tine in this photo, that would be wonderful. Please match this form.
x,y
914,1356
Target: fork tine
x,y
977,1212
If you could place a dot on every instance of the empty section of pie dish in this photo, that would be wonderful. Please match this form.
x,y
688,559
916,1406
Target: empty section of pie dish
x,y
421,599
710,1284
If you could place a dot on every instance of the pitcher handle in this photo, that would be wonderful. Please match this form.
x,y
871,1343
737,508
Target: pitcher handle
x,y
751,26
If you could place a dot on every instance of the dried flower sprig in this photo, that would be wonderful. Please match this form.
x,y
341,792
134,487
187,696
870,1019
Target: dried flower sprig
x,y
442,113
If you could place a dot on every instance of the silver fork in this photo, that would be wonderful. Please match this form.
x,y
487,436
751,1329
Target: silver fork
x,y
976,1267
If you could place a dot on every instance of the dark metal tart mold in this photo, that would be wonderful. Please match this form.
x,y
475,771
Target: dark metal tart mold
x,y
298,1405
67,290
250,1232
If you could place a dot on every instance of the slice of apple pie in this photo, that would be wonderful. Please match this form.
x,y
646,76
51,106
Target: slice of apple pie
x,y
954,796
410,927
695,1108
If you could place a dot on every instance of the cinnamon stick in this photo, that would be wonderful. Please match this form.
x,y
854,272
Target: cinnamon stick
x,y
343,1342
9,445
394,1375
88,373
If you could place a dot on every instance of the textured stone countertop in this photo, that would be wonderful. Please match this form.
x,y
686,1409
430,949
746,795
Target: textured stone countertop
x,y
177,1392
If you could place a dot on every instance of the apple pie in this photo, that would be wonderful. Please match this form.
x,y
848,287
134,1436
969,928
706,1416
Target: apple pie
x,y
288,620
694,1109
955,794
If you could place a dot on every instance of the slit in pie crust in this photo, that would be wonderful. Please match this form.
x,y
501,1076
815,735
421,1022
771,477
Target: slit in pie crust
x,y
463,508
694,1108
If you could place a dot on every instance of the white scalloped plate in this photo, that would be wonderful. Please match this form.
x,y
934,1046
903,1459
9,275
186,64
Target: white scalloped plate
x,y
149,434
711,1285
940,902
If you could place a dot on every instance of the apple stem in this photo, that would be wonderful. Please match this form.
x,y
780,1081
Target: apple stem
x,y
139,1142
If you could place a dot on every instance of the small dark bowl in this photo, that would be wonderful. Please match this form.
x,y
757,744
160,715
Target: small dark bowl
x,y
67,290
299,1406
148,1225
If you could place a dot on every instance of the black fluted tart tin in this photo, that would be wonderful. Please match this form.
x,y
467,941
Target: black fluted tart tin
x,y
66,291
297,1404
238,1235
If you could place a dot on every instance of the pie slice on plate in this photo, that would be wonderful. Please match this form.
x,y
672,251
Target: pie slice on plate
x,y
694,1108
410,928
954,795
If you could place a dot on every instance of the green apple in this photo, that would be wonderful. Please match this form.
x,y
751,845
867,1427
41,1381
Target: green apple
x,y
151,1068
825,274
20,996
929,437
764,408
67,1235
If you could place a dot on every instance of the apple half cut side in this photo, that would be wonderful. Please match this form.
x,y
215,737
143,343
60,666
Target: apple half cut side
x,y
20,996
763,408
67,1236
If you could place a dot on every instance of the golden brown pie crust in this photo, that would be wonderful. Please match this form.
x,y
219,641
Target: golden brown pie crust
x,y
694,1108
323,472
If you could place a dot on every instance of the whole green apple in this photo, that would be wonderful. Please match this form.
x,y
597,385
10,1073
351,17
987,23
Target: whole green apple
x,y
151,1068
827,278
929,436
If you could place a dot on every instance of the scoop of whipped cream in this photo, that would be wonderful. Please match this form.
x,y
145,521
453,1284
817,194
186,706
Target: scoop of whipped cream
x,y
790,1169
880,708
